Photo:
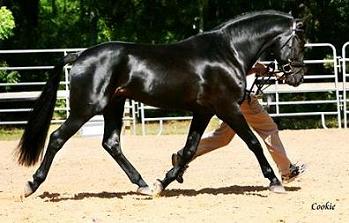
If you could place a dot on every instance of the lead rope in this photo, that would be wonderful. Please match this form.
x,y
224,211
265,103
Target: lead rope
x,y
260,82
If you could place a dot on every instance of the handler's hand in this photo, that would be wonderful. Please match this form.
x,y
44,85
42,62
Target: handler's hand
x,y
260,69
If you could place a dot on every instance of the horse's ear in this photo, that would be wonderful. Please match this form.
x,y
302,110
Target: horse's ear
x,y
299,10
304,13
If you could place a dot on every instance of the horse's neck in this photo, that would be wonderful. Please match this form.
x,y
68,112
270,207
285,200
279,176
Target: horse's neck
x,y
250,44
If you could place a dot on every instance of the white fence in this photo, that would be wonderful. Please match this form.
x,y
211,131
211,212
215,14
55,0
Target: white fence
x,y
315,83
31,95
345,63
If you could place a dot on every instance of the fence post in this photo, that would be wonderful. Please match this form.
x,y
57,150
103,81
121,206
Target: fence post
x,y
134,116
66,83
345,76
142,119
127,116
335,69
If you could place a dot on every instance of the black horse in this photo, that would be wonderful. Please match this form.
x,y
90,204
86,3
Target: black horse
x,y
204,74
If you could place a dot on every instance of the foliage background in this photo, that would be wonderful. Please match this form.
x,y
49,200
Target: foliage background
x,y
83,23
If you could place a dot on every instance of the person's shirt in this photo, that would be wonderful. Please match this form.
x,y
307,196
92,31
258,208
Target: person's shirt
x,y
251,75
249,81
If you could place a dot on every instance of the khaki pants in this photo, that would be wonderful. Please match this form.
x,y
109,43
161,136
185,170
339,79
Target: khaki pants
x,y
261,122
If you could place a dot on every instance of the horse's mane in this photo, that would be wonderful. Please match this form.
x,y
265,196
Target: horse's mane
x,y
249,15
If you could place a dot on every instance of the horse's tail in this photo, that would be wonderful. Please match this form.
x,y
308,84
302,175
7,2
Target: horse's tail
x,y
33,139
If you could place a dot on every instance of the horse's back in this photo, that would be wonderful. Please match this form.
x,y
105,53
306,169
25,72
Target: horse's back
x,y
184,75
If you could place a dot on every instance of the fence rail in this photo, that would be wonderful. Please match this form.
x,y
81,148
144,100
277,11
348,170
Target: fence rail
x,y
314,84
345,62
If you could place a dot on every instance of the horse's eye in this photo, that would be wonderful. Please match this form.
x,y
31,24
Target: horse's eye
x,y
299,25
287,68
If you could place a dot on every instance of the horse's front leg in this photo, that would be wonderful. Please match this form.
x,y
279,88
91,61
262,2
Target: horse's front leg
x,y
197,127
231,115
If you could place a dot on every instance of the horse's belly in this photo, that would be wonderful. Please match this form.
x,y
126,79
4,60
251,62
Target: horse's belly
x,y
163,97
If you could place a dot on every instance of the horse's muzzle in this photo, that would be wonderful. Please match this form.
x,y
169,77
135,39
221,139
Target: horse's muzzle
x,y
295,79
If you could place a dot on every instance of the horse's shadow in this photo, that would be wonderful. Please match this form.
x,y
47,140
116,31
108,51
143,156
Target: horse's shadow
x,y
57,197
235,189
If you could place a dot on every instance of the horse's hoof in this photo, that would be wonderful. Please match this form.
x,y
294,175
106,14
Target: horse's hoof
x,y
157,188
279,189
144,190
153,190
27,190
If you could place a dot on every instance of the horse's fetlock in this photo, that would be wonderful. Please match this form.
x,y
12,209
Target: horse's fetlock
x,y
135,178
39,178
268,173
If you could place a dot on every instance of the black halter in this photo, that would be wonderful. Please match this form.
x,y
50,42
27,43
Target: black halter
x,y
263,81
293,61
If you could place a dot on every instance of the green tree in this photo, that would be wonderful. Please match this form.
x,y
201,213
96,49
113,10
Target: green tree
x,y
7,23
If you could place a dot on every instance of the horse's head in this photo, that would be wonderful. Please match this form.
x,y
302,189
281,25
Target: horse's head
x,y
289,52
252,34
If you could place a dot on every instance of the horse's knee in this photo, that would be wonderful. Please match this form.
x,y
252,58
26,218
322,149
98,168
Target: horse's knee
x,y
112,148
39,177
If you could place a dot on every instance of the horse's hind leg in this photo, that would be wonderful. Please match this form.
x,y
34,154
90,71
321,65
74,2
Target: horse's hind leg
x,y
113,114
57,140
234,118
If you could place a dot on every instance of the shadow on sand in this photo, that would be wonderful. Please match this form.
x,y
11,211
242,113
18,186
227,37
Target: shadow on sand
x,y
235,189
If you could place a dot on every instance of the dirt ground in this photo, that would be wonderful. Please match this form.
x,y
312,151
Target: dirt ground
x,y
86,185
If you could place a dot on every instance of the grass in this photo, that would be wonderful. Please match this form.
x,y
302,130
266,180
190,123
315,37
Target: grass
x,y
152,128
172,127
181,127
10,133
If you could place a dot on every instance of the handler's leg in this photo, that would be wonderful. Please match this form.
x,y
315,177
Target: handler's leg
x,y
264,125
213,140
111,140
232,116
